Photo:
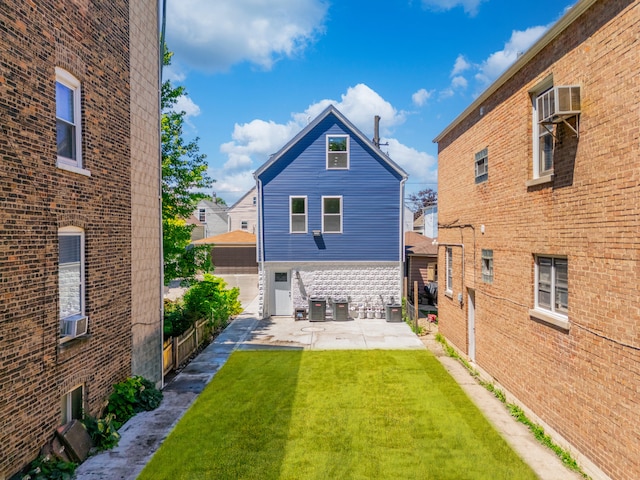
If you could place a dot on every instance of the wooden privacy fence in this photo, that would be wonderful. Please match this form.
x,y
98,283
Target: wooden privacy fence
x,y
177,349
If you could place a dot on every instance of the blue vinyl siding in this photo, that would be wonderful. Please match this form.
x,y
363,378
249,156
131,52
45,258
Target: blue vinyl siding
x,y
370,192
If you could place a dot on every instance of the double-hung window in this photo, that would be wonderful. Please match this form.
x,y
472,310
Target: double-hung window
x,y
543,142
202,215
71,282
449,269
332,214
68,121
337,152
482,165
487,266
298,214
552,286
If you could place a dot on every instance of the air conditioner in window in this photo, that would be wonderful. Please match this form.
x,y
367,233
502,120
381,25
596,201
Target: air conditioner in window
x,y
76,326
558,104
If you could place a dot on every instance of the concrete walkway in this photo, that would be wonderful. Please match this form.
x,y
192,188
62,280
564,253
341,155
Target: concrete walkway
x,y
143,434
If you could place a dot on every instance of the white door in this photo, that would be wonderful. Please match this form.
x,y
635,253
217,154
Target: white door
x,y
471,314
282,291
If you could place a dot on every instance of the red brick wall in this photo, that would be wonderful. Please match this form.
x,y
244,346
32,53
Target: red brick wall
x,y
89,39
585,382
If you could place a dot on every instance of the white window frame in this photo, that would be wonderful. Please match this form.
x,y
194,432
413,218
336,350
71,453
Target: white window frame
x,y
305,214
66,79
324,215
202,215
244,225
552,309
329,152
75,232
449,270
66,405
539,131
482,157
487,265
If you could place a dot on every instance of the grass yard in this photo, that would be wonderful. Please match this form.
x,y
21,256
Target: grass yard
x,y
365,414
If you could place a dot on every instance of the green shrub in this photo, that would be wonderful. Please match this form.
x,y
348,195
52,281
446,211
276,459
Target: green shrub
x,y
175,321
49,468
211,300
102,431
135,394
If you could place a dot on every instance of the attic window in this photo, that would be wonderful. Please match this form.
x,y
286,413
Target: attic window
x,y
337,152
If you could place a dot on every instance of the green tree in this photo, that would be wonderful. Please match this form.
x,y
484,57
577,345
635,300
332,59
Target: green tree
x,y
184,172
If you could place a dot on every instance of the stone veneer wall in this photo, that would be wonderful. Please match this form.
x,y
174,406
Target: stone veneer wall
x,y
367,284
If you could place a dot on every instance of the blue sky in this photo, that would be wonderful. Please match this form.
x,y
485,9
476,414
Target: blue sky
x,y
256,71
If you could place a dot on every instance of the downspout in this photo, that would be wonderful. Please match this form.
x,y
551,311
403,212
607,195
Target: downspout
x,y
162,5
401,252
260,243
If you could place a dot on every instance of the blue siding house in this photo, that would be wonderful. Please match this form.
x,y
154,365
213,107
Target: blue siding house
x,y
330,220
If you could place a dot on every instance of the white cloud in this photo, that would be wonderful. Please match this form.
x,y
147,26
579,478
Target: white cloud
x,y
470,6
252,143
421,167
498,62
459,82
186,105
214,35
446,93
460,66
421,97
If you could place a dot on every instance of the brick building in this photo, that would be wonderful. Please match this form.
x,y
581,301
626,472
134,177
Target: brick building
x,y
80,265
539,234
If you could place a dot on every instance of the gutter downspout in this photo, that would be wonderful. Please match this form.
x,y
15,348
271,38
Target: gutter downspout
x,y
162,20
260,244
402,249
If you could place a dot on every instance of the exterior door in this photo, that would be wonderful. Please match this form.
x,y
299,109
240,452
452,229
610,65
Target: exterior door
x,y
471,314
282,291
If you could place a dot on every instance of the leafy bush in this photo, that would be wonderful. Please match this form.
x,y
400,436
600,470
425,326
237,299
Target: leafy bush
x,y
135,394
102,431
211,300
175,321
50,468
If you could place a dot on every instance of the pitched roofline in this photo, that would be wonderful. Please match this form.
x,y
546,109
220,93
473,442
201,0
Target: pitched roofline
x,y
243,197
567,19
331,109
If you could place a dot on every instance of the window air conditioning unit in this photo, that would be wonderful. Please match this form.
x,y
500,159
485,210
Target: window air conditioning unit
x,y
558,104
76,326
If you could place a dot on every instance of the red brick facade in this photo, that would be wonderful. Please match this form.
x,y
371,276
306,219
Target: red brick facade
x,y
90,40
580,379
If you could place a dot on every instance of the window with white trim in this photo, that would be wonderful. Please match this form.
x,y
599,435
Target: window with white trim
x,y
552,286
298,214
71,405
482,165
68,119
71,276
331,214
487,266
202,215
337,152
449,269
543,142
244,225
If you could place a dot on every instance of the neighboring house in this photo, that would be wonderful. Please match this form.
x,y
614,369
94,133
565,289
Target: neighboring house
x,y
211,216
198,228
418,224
330,208
539,231
232,252
421,261
243,215
80,257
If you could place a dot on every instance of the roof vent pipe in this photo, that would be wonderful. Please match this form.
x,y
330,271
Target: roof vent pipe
x,y
376,131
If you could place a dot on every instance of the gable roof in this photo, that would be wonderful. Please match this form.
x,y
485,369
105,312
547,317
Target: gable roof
x,y
572,15
330,110
253,189
237,237
417,244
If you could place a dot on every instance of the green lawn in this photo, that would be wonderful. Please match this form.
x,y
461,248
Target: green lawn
x,y
362,414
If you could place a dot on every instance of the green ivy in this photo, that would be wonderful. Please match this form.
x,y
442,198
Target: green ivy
x,y
49,468
134,395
